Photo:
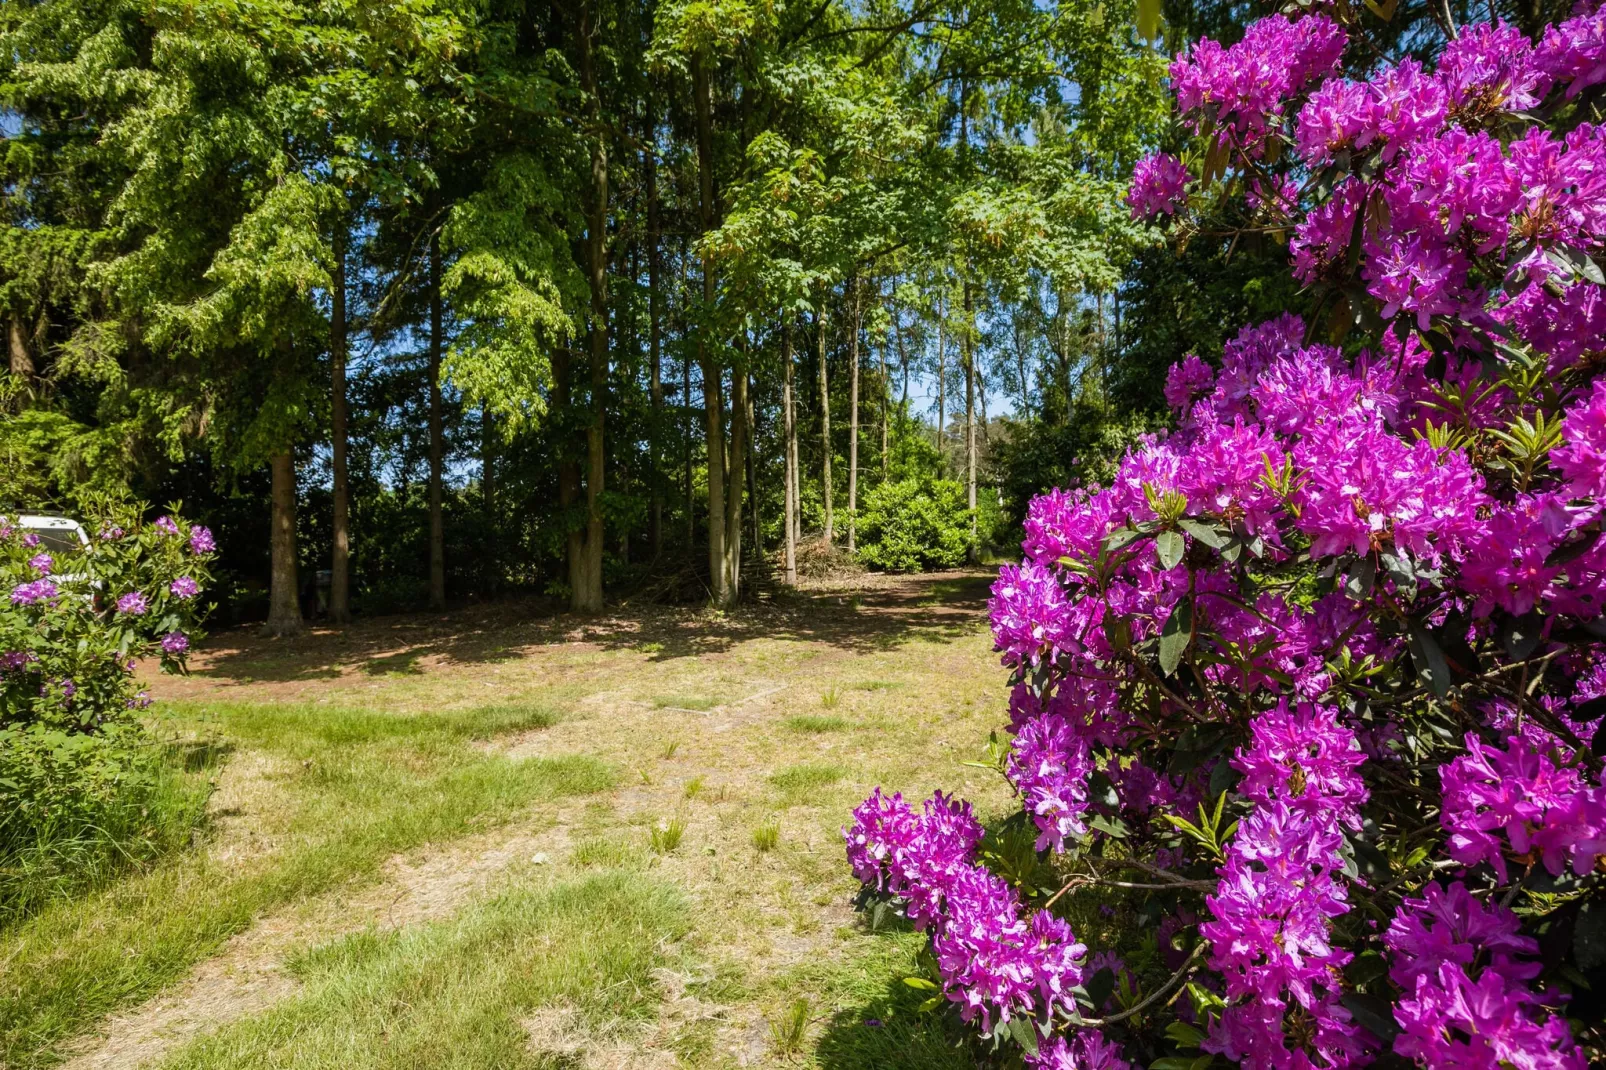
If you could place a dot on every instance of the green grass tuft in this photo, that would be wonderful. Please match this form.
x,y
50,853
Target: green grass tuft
x,y
790,1027
601,852
814,723
766,836
666,837
797,780
685,702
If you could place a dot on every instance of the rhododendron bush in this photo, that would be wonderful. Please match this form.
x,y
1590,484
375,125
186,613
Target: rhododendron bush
x,y
1308,702
73,628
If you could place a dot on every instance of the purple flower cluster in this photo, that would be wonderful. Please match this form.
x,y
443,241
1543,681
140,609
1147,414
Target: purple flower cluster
x,y
201,541
1159,184
184,587
175,643
1247,86
167,525
132,604
1537,806
1049,764
996,964
1581,458
1448,194
1270,931
15,660
1467,1000
42,564
39,592
1029,613
1087,1050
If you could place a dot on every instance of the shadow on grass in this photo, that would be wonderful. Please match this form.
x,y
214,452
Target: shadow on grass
x,y
890,614
890,1032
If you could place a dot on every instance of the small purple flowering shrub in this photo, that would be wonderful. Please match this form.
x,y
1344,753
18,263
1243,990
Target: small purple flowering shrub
x,y
77,767
1314,690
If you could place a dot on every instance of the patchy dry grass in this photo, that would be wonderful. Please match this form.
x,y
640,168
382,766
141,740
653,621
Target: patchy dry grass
x,y
548,758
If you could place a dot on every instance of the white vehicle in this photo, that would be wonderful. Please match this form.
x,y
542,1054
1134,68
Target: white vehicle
x,y
57,534
58,537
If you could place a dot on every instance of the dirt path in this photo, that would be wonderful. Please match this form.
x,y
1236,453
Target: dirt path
x,y
698,711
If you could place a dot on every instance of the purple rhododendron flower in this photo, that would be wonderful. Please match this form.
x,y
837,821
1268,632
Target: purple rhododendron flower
x,y
1029,613
1581,458
1467,1001
132,604
201,541
42,563
1187,379
1049,764
1087,1050
1574,52
175,643
184,587
1491,68
1248,84
1537,805
37,592
167,525
1159,184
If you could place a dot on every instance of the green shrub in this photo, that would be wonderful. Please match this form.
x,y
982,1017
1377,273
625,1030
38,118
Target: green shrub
x,y
80,808
83,788
914,524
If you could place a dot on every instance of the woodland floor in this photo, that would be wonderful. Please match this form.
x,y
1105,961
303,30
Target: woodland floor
x,y
446,841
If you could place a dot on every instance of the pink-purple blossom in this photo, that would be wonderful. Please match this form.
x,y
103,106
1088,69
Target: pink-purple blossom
x,y
1029,614
1581,458
1159,184
132,604
35,593
184,587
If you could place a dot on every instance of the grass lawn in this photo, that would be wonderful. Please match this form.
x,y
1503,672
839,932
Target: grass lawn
x,y
499,839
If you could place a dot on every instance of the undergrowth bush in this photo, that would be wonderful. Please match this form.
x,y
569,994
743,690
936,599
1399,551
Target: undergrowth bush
x,y
911,525
84,787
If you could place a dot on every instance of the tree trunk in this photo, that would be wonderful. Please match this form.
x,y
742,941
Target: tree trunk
x,y
488,499
284,602
655,517
568,466
437,445
21,360
686,438
733,489
969,349
340,555
752,470
825,426
1020,365
886,398
853,421
713,406
903,366
942,382
789,420
586,595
